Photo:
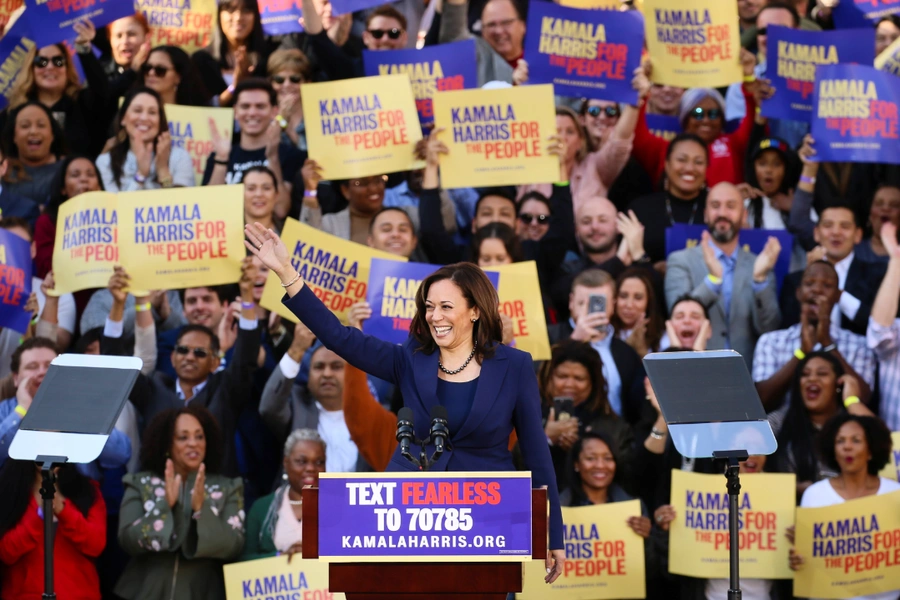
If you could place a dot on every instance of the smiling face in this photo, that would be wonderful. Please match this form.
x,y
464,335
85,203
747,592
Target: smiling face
x,y
702,124
596,465
202,306
885,35
303,464
769,167
724,213
885,209
253,111
286,86
534,220
571,134
749,9
326,375
385,27
851,448
160,74
259,197
392,231
687,319
664,99
819,284
571,380
188,444
492,253
33,136
597,126
595,225
686,169
837,232
126,37
494,209
81,177
189,367
51,78
365,195
818,386
503,29
141,119
237,23
449,316
631,301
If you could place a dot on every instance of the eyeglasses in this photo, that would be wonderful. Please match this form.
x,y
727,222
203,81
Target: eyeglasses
x,y
198,352
158,70
279,79
362,183
762,31
706,113
391,33
528,218
610,111
41,62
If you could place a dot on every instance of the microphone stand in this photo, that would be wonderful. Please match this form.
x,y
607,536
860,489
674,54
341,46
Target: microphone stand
x,y
48,490
732,474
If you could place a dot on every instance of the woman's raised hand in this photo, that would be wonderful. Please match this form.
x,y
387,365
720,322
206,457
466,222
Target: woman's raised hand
x,y
268,247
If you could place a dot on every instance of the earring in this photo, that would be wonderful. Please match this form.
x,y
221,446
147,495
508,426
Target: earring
x,y
473,320
284,477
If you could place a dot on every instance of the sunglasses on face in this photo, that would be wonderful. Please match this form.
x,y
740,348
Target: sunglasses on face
x,y
528,218
391,33
279,79
706,113
610,111
41,62
762,31
158,70
198,352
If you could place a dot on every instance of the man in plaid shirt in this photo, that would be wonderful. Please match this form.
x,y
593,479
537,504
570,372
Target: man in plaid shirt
x,y
883,334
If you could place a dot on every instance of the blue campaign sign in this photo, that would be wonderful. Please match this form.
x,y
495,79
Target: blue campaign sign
x,y
681,236
792,58
15,281
392,295
14,48
584,53
850,14
52,21
280,17
432,69
855,115
340,7
664,126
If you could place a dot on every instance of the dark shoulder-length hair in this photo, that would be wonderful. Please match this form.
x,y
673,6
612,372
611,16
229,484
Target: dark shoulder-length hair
x,y
119,152
654,319
479,293
17,479
11,151
256,41
798,434
191,91
573,477
502,232
156,444
58,187
878,439
584,355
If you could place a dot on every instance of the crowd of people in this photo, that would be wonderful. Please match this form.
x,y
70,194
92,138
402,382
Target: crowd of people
x,y
236,409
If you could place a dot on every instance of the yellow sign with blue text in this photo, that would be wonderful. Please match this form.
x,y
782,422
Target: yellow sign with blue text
x,y
278,578
520,300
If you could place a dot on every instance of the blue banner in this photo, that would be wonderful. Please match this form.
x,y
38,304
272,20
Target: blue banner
x,y
681,236
855,117
51,21
14,47
432,69
392,295
665,126
15,281
791,61
850,14
280,16
584,53
340,7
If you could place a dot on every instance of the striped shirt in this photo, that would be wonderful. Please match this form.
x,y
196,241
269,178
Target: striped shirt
x,y
885,342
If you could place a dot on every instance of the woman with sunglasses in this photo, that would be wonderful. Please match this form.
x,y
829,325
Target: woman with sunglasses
x,y
238,50
170,73
598,117
143,157
288,69
533,220
702,113
49,77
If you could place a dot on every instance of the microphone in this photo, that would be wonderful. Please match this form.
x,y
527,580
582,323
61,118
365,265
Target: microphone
x,y
439,430
406,434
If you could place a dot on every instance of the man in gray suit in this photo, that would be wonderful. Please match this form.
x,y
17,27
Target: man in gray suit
x,y
736,286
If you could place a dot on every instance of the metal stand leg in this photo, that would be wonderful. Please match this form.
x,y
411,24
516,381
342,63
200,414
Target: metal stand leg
x,y
48,489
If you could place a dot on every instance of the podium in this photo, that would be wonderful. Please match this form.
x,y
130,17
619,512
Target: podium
x,y
421,578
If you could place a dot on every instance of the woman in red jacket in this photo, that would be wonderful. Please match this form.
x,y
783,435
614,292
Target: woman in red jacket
x,y
79,516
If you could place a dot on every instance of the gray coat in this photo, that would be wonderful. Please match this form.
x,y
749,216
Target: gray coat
x,y
752,313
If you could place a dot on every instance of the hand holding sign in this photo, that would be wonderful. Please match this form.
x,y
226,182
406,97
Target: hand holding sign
x,y
86,32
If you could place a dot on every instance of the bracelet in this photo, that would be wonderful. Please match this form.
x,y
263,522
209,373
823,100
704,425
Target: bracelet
x,y
830,348
713,279
248,305
20,410
166,182
310,193
561,184
850,401
35,319
142,307
749,78
140,178
224,163
657,434
809,180
291,282
230,89
800,354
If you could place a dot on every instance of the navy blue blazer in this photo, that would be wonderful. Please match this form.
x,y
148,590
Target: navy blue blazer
x,y
506,396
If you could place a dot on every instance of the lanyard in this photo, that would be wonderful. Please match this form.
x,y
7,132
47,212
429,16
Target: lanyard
x,y
672,218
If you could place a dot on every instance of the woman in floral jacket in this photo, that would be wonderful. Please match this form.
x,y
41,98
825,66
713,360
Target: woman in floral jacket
x,y
179,520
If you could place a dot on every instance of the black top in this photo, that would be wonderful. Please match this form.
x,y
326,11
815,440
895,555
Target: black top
x,y
457,397
653,214
241,160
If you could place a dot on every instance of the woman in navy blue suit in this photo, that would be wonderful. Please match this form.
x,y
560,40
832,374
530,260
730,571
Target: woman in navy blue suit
x,y
454,358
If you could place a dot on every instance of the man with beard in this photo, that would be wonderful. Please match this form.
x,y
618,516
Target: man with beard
x,y
736,286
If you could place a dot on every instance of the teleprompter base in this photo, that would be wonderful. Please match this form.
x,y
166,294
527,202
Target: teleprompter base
x,y
421,581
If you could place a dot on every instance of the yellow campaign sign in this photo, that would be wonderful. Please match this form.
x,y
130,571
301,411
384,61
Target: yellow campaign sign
x,y
892,469
850,549
183,237
604,557
86,248
694,43
336,270
497,137
190,129
520,300
187,25
889,59
698,537
275,577
362,127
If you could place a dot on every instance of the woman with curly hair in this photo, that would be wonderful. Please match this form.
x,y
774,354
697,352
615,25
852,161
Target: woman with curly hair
x,y
180,520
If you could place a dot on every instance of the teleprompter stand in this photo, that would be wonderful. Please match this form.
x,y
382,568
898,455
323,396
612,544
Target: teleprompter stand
x,y
722,418
69,421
